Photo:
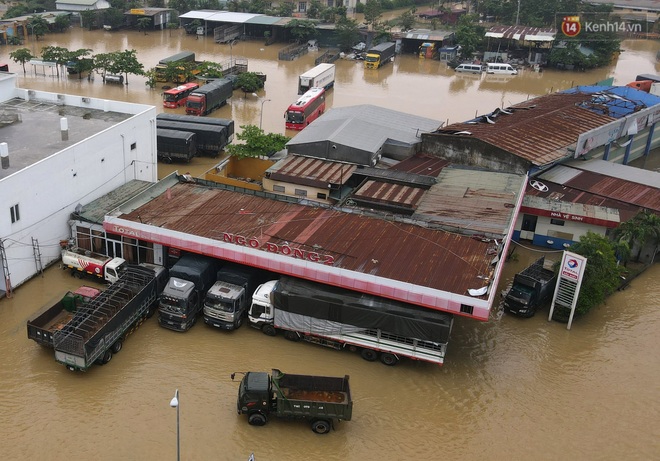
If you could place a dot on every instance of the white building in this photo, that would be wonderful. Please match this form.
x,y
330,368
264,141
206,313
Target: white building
x,y
59,151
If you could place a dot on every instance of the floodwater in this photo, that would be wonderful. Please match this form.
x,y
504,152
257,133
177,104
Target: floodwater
x,y
510,388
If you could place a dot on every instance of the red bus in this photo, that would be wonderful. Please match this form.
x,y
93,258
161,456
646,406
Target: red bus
x,y
306,109
175,97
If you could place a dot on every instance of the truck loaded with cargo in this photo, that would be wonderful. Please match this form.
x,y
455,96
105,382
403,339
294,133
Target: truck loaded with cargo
x,y
321,76
379,55
227,301
81,262
321,400
178,58
532,287
182,299
210,139
54,316
225,123
378,328
100,326
174,145
209,97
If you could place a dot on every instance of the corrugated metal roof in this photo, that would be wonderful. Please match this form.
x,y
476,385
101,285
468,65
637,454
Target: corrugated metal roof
x,y
365,127
96,210
541,130
394,250
199,14
616,170
391,196
310,171
522,33
422,164
426,34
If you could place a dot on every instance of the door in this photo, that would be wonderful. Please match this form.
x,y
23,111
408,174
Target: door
x,y
528,227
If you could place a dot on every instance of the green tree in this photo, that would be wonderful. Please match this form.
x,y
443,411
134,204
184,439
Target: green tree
x,y
372,11
602,275
314,9
210,69
284,10
248,82
127,63
348,33
56,54
302,29
642,229
469,34
62,23
80,61
151,78
22,55
38,25
15,11
256,143
90,18
172,26
144,24
113,17
408,20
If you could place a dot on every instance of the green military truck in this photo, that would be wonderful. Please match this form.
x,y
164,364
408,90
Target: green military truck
x,y
322,400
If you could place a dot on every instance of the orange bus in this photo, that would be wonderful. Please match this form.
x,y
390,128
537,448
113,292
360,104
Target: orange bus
x,y
175,97
306,109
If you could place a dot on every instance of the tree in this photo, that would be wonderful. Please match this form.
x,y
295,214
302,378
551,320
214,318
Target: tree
x,y
302,29
284,10
56,54
257,143
127,63
38,25
248,82
172,26
372,12
407,19
22,55
348,33
80,61
602,275
210,69
15,11
113,17
314,9
643,228
144,24
469,34
62,23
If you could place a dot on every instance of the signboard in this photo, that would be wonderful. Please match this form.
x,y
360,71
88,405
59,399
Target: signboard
x,y
572,266
567,290
138,11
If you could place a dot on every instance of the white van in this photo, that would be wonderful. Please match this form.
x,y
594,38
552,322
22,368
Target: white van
x,y
472,68
500,68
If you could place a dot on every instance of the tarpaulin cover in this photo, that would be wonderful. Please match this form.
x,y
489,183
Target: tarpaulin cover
x,y
341,309
197,269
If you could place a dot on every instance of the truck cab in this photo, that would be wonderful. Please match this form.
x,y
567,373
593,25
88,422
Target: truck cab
x,y
178,305
261,313
520,299
224,305
254,397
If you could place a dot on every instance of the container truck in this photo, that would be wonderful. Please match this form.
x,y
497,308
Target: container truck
x,y
321,400
227,301
321,76
228,124
209,97
210,139
182,299
379,55
531,288
53,317
81,261
378,328
99,327
176,145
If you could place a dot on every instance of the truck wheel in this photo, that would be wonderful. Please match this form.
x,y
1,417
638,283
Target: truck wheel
x,y
256,419
106,357
269,330
369,355
291,335
321,426
389,359
116,347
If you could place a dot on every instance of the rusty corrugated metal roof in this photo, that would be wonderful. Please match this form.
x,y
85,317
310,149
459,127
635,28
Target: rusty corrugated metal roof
x,y
422,164
310,171
541,130
617,189
399,251
381,193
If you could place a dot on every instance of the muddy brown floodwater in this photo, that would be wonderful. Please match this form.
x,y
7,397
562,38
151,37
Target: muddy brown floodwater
x,y
510,388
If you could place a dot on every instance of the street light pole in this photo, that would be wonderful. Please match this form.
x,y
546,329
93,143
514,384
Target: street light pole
x,y
174,403
261,114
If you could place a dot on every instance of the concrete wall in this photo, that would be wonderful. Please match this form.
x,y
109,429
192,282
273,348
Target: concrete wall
x,y
555,236
310,193
247,173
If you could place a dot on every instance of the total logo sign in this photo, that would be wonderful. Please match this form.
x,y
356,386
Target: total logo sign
x,y
571,268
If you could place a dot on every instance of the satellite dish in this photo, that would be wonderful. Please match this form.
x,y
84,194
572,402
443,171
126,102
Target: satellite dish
x,y
538,185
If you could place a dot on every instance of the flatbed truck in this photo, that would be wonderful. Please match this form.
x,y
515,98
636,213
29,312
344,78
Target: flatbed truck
x,y
99,327
321,400
532,287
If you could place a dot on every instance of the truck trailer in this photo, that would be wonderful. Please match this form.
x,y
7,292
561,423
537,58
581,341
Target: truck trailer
x,y
54,316
321,76
99,327
182,299
226,303
209,97
228,124
378,328
321,400
210,139
174,145
379,55
83,262
532,287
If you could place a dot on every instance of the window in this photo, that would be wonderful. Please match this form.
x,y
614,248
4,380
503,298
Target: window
x,y
302,6
321,196
301,192
557,222
331,3
133,146
15,215
277,188
466,309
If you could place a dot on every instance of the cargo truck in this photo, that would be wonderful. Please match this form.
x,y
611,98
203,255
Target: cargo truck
x,y
379,55
321,400
178,58
228,124
210,139
378,328
99,327
321,76
53,317
174,145
531,288
209,97
81,262
226,303
182,299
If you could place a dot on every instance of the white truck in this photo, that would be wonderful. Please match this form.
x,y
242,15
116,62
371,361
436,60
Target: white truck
x,y
80,262
378,328
321,76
